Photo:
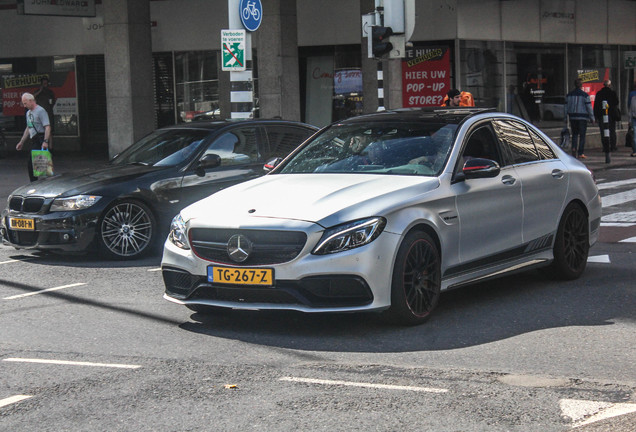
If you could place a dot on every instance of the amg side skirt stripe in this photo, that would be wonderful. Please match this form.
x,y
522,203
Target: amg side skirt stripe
x,y
530,248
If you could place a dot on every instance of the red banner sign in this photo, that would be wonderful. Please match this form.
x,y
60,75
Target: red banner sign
x,y
15,86
425,76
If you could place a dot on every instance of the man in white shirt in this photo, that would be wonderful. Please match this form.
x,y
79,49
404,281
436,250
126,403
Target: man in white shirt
x,y
38,129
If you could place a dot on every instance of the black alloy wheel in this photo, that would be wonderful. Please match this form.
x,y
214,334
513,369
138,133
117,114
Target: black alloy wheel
x,y
572,243
126,230
416,282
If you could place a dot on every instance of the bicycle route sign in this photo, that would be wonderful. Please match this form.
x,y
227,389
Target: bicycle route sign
x,y
251,12
233,50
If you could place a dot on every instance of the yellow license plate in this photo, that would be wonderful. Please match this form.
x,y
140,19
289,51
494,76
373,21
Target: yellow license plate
x,y
241,276
21,224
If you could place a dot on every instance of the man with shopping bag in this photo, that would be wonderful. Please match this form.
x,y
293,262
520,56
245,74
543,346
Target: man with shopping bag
x,y
38,129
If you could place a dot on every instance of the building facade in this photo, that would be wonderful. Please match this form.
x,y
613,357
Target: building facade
x,y
137,65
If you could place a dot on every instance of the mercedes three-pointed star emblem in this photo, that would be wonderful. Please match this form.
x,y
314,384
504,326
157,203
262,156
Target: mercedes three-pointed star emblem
x,y
239,248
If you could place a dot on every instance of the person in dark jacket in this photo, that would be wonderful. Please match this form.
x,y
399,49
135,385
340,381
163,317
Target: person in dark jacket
x,y
579,110
607,94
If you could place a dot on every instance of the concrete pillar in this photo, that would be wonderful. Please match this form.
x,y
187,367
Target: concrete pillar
x,y
129,81
393,83
276,43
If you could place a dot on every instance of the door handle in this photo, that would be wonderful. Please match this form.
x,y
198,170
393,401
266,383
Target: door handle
x,y
557,174
508,180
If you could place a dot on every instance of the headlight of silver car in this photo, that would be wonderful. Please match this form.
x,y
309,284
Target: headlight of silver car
x,y
178,233
350,235
77,202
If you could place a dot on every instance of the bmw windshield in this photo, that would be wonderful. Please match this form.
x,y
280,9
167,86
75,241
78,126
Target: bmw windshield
x,y
408,148
166,147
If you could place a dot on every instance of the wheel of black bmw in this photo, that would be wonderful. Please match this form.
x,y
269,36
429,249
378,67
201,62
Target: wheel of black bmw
x,y
415,287
126,230
572,244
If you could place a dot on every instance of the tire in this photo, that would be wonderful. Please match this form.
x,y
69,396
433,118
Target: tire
x,y
416,282
572,243
126,230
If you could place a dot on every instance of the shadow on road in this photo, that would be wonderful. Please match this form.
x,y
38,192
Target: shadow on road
x,y
84,260
470,316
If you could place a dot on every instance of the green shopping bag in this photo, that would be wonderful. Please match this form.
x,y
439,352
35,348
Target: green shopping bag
x,y
42,163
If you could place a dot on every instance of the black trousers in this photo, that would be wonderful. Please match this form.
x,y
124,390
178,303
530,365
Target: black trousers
x,y
34,144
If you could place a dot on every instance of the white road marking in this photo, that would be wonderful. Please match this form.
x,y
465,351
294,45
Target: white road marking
x,y
44,291
154,269
602,259
617,224
584,412
628,240
625,217
13,399
619,198
8,262
618,183
72,363
367,385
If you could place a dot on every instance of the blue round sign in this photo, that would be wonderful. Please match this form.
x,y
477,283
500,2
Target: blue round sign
x,y
251,12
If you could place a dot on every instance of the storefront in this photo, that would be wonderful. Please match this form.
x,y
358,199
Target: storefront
x,y
516,56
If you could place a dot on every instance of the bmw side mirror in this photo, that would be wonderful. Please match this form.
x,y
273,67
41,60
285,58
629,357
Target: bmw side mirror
x,y
480,168
208,161
271,164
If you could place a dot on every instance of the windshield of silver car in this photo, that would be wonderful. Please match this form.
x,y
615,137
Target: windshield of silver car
x,y
405,148
162,148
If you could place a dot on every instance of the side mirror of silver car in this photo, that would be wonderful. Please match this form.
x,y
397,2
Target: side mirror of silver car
x,y
480,168
271,164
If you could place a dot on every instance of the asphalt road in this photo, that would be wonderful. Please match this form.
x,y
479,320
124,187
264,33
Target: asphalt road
x,y
91,345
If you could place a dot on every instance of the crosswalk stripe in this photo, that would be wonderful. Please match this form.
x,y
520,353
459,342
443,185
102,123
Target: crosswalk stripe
x,y
614,184
619,198
620,217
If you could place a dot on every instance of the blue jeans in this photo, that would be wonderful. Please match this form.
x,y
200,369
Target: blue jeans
x,y
579,128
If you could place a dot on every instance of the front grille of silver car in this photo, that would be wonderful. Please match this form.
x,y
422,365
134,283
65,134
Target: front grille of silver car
x,y
26,204
268,247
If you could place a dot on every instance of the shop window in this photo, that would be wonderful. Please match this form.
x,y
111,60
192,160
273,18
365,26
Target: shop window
x,y
19,76
482,72
197,84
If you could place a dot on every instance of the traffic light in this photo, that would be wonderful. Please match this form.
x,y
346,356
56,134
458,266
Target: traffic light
x,y
380,44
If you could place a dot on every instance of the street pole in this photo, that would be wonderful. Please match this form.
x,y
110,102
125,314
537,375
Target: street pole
x,y
606,132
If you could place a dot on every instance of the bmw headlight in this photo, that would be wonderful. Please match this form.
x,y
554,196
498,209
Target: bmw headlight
x,y
77,202
178,233
350,235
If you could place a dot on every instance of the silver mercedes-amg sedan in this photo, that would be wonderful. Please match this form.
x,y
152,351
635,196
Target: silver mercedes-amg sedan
x,y
383,212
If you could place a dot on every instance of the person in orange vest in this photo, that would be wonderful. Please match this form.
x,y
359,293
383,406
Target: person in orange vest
x,y
455,98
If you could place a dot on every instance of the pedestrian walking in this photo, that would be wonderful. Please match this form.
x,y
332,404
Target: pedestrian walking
x,y
579,110
607,94
37,131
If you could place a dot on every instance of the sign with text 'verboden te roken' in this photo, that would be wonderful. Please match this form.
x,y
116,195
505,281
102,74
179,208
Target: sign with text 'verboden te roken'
x,y
425,76
233,50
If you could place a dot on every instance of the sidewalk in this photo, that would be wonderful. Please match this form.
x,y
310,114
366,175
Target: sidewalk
x,y
620,158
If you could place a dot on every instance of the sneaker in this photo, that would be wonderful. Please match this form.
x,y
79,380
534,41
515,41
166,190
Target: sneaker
x,y
582,156
633,155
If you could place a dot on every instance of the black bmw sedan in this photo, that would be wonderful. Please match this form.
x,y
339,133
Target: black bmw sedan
x,y
124,208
